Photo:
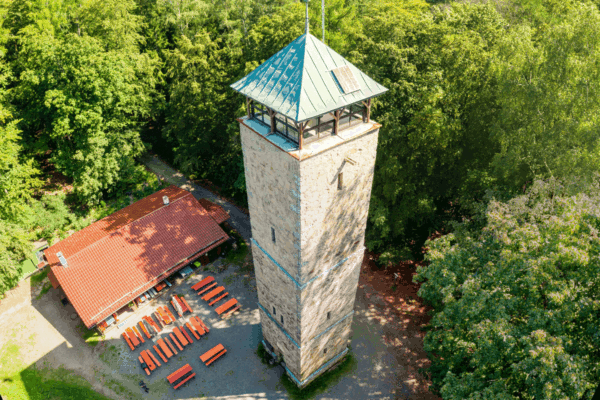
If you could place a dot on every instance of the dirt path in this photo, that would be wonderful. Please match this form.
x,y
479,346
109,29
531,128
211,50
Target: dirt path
x,y
46,336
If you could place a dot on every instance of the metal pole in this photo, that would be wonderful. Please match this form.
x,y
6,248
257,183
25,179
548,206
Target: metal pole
x,y
307,16
323,18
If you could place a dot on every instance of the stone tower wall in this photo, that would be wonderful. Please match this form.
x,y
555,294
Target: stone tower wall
x,y
333,221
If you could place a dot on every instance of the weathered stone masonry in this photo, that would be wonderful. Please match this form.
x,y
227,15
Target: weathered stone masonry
x,y
311,271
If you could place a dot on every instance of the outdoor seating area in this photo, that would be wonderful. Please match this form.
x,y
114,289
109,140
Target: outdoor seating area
x,y
181,335
218,293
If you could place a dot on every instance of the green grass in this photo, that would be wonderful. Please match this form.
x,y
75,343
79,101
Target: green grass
x,y
238,255
18,382
228,280
37,278
91,336
320,384
44,290
263,355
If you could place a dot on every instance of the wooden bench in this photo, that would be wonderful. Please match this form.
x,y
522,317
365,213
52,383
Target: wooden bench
x,y
166,309
128,341
213,293
138,334
164,348
153,324
170,345
187,336
175,341
226,306
192,330
159,353
144,330
153,358
144,366
203,283
206,289
211,355
160,286
185,303
218,299
181,376
180,337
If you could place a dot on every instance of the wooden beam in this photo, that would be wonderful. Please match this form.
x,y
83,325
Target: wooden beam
x,y
336,123
249,107
272,115
300,127
367,104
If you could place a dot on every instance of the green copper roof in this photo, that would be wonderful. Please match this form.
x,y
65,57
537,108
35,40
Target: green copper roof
x,y
298,81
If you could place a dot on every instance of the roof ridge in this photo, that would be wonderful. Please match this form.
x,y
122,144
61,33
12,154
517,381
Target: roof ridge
x,y
302,72
135,220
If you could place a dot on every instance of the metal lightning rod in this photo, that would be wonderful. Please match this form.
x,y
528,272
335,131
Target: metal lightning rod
x,y
323,18
307,16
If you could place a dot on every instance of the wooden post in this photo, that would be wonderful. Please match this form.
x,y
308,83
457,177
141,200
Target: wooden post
x,y
272,115
249,107
336,123
367,104
300,127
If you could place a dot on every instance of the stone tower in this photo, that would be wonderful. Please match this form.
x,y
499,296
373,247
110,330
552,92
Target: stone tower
x,y
309,148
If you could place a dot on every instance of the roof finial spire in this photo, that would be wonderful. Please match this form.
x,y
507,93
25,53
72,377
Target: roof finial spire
x,y
306,16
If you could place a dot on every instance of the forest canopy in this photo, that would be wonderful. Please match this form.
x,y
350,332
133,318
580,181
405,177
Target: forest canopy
x,y
487,101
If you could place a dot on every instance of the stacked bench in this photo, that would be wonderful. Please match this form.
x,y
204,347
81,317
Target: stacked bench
x,y
180,305
213,354
133,338
181,376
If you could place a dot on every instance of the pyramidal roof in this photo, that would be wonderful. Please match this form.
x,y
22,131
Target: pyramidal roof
x,y
299,81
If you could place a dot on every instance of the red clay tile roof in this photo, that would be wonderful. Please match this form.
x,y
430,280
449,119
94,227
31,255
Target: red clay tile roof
x,y
215,210
52,279
121,256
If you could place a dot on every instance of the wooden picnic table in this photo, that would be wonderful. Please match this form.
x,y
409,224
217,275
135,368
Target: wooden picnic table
x,y
144,365
194,332
179,373
203,283
213,293
128,341
148,360
212,352
132,337
198,327
202,324
180,337
228,304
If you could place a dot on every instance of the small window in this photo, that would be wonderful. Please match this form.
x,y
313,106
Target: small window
x,y
274,312
328,314
325,351
273,234
340,181
282,320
